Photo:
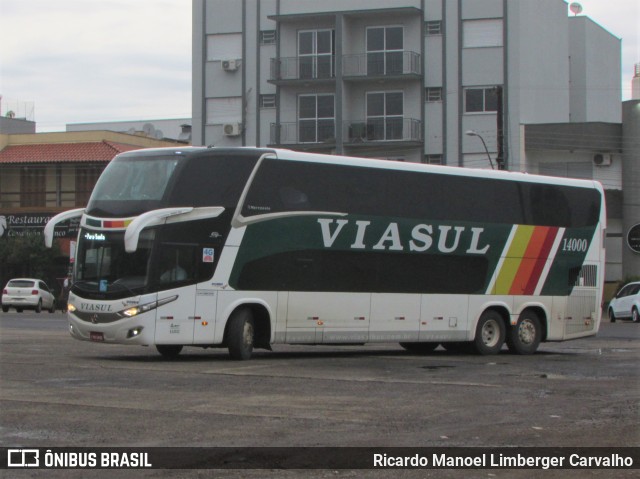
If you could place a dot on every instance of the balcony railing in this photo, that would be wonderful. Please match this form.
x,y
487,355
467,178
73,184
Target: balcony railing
x,y
322,132
383,64
322,67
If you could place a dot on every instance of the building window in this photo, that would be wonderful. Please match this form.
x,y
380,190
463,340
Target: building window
x,y
482,33
316,52
32,186
268,101
316,118
268,37
433,159
480,100
385,50
86,178
433,27
433,94
385,115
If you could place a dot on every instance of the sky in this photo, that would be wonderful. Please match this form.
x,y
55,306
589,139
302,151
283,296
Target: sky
x,y
77,61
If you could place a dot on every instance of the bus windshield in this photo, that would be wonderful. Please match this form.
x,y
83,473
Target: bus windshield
x,y
104,268
132,184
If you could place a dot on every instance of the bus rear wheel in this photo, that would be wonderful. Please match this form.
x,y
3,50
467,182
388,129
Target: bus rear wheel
x,y
490,333
525,336
241,334
169,351
419,348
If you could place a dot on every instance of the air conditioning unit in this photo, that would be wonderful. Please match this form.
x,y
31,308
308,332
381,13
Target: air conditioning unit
x,y
232,129
229,65
602,159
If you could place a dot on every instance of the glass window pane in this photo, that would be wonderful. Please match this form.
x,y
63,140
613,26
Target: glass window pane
x,y
375,129
375,39
307,131
375,63
394,128
490,99
323,42
393,103
305,43
306,67
394,63
326,130
325,106
375,104
324,66
473,100
307,107
394,38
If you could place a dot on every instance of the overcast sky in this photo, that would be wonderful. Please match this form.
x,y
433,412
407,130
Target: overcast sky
x,y
77,61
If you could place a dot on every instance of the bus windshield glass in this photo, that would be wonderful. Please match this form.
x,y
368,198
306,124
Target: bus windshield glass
x,y
103,267
132,184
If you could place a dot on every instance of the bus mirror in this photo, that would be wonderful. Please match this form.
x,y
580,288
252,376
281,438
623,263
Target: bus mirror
x,y
59,218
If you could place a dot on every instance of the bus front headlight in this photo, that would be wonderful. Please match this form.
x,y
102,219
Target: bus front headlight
x,y
143,308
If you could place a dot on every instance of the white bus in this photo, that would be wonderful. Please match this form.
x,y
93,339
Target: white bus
x,y
245,248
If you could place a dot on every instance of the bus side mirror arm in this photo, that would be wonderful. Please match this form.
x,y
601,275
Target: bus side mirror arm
x,y
59,218
162,216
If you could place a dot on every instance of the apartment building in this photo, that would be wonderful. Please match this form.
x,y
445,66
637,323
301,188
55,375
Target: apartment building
x,y
518,84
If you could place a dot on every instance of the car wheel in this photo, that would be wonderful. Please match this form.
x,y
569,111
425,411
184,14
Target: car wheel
x,y
612,317
39,306
635,316
52,309
5,309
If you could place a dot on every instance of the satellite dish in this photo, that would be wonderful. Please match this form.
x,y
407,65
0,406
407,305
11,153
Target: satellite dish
x,y
576,8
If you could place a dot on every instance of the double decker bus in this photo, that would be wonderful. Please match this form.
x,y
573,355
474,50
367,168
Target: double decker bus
x,y
246,247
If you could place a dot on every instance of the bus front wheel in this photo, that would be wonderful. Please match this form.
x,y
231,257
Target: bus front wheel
x,y
490,333
169,351
525,336
240,335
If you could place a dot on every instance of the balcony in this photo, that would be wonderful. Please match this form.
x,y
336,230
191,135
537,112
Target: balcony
x,y
362,66
320,134
320,68
381,65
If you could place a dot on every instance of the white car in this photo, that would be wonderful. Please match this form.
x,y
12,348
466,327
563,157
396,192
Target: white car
x,y
27,293
626,304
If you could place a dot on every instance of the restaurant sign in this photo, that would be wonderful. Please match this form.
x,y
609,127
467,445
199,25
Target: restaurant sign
x,y
14,225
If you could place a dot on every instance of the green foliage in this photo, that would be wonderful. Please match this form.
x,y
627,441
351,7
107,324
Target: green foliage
x,y
27,256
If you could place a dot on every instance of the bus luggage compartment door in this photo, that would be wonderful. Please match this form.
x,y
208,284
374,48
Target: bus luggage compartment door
x,y
175,320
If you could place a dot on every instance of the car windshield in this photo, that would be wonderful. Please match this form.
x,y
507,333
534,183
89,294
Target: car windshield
x,y
105,268
20,283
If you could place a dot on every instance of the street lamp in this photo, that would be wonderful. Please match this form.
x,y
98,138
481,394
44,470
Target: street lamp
x,y
475,133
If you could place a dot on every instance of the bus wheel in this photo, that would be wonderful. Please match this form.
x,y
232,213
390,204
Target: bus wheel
x,y
240,334
490,333
612,317
525,336
169,351
419,348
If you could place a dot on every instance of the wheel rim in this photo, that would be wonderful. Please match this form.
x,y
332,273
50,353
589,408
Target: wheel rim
x,y
634,315
247,334
527,332
490,333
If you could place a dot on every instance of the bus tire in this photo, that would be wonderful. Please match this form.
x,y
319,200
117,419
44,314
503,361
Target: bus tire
x,y
490,333
525,336
241,334
612,316
419,348
169,351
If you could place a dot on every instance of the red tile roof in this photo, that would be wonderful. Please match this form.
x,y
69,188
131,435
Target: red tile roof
x,y
96,151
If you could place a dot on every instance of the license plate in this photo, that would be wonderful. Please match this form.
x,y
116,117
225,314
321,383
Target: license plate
x,y
96,336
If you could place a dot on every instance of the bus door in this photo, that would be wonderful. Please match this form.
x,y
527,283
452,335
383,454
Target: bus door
x,y
328,317
176,275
